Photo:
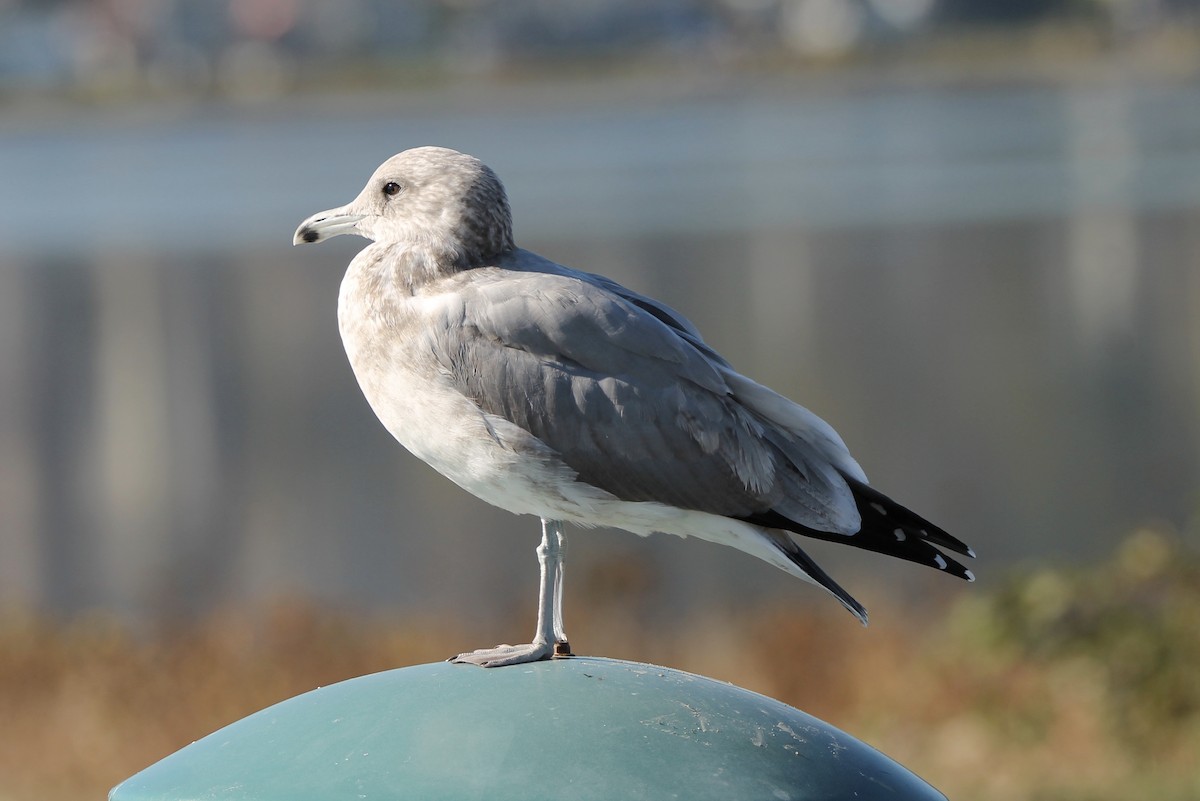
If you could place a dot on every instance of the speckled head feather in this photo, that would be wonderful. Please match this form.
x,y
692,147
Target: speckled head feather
x,y
446,207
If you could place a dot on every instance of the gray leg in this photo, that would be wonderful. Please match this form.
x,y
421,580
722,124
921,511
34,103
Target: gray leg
x,y
549,639
561,646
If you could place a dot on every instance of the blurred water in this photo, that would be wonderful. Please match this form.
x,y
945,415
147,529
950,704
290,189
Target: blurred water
x,y
992,293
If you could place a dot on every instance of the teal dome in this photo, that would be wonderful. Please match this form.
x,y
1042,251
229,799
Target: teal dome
x,y
579,728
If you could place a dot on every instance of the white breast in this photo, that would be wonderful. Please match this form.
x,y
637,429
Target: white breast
x,y
417,402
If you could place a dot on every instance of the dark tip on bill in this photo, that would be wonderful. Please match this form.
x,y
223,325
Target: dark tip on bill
x,y
309,235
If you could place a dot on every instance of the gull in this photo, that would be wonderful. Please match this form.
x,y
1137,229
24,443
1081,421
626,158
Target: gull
x,y
557,393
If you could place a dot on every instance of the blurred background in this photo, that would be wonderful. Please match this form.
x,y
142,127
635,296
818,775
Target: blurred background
x,y
965,232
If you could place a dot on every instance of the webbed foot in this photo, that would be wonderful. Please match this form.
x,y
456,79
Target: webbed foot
x,y
503,655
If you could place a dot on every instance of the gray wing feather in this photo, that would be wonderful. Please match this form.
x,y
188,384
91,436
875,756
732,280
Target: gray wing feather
x,y
627,398
526,261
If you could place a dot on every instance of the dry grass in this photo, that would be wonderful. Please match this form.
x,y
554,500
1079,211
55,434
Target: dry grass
x,y
1058,685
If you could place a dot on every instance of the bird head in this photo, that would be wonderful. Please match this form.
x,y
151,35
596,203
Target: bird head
x,y
427,198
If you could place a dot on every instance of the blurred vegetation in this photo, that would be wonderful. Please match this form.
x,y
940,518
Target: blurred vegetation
x,y
1059,683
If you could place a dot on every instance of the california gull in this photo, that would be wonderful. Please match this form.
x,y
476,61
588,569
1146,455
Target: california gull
x,y
562,394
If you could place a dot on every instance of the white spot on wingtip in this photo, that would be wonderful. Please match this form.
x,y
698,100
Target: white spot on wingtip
x,y
970,552
879,507
970,576
941,563
900,536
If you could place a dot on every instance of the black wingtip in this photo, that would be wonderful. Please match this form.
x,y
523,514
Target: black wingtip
x,y
853,606
846,600
887,528
892,529
811,569
880,512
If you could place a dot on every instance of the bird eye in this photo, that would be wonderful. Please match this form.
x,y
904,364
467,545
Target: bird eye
x,y
391,188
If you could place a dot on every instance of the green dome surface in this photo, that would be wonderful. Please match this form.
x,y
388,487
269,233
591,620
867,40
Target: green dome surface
x,y
578,728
